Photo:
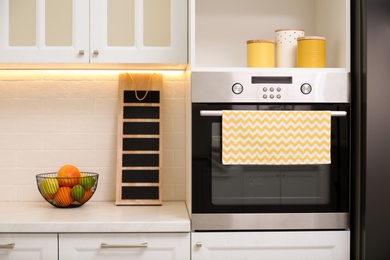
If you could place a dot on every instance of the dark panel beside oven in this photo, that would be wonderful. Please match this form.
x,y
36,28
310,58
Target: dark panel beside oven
x,y
141,112
144,176
141,144
140,193
138,160
151,97
141,128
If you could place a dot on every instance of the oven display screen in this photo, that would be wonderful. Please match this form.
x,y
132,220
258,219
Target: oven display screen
x,y
271,80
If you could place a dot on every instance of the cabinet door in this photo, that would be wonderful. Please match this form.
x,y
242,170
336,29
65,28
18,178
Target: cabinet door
x,y
139,31
28,246
44,31
271,245
162,246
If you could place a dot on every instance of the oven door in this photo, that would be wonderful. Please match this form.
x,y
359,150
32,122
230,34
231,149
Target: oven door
x,y
277,197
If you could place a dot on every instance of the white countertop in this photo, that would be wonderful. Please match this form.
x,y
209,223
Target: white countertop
x,y
41,217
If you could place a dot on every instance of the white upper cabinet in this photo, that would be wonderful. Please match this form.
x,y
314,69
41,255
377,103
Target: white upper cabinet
x,y
98,31
44,31
139,31
219,29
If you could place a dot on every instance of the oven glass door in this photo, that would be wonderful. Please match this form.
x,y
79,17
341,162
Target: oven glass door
x,y
218,188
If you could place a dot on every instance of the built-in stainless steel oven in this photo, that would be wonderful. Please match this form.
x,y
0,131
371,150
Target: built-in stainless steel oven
x,y
268,197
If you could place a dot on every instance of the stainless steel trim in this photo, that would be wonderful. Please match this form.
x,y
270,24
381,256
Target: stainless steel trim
x,y
326,86
270,221
219,113
7,246
106,246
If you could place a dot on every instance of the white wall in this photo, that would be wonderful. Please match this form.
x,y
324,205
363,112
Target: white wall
x,y
51,118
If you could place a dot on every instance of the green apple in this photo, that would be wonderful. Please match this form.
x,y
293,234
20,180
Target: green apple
x,y
49,185
77,192
87,182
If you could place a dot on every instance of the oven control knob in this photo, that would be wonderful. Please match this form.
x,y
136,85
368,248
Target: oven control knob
x,y
237,88
306,88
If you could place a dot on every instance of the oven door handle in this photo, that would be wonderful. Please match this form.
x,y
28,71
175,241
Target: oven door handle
x,y
219,113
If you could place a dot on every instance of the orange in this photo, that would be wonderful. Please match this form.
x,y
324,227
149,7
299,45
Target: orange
x,y
68,175
87,196
49,196
63,198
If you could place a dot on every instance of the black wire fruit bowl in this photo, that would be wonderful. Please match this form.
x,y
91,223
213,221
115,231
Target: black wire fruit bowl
x,y
67,192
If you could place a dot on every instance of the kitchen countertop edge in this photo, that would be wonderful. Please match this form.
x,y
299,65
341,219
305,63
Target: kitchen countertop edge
x,y
93,217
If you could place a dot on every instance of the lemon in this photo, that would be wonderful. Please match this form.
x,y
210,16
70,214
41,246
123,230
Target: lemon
x,y
49,185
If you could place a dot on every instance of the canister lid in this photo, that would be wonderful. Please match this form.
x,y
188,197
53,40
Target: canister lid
x,y
259,41
311,38
289,29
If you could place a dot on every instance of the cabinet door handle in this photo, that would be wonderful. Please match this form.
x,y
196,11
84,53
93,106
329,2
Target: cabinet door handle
x,y
7,246
198,244
81,52
96,52
106,246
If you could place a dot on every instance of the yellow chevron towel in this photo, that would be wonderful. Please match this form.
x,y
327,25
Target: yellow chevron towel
x,y
276,137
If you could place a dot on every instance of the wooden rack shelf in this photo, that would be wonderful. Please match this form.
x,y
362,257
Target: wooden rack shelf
x,y
139,146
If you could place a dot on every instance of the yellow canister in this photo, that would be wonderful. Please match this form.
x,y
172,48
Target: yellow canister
x,y
311,52
261,53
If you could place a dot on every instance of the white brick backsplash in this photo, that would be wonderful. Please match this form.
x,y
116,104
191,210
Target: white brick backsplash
x,y
178,125
7,159
8,124
93,158
8,90
174,141
8,106
68,141
104,192
68,106
40,124
106,106
8,193
105,141
51,118
26,141
93,124
180,158
28,193
29,106
42,158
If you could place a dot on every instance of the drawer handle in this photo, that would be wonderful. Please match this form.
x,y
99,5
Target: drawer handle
x,y
81,52
96,52
198,244
7,246
106,246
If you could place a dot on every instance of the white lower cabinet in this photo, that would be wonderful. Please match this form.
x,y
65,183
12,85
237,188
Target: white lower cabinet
x,y
99,246
308,245
28,246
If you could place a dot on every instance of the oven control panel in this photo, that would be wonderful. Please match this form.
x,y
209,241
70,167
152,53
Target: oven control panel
x,y
296,86
271,92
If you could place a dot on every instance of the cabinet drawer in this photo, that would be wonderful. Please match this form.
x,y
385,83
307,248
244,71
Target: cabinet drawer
x,y
162,246
28,246
271,245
